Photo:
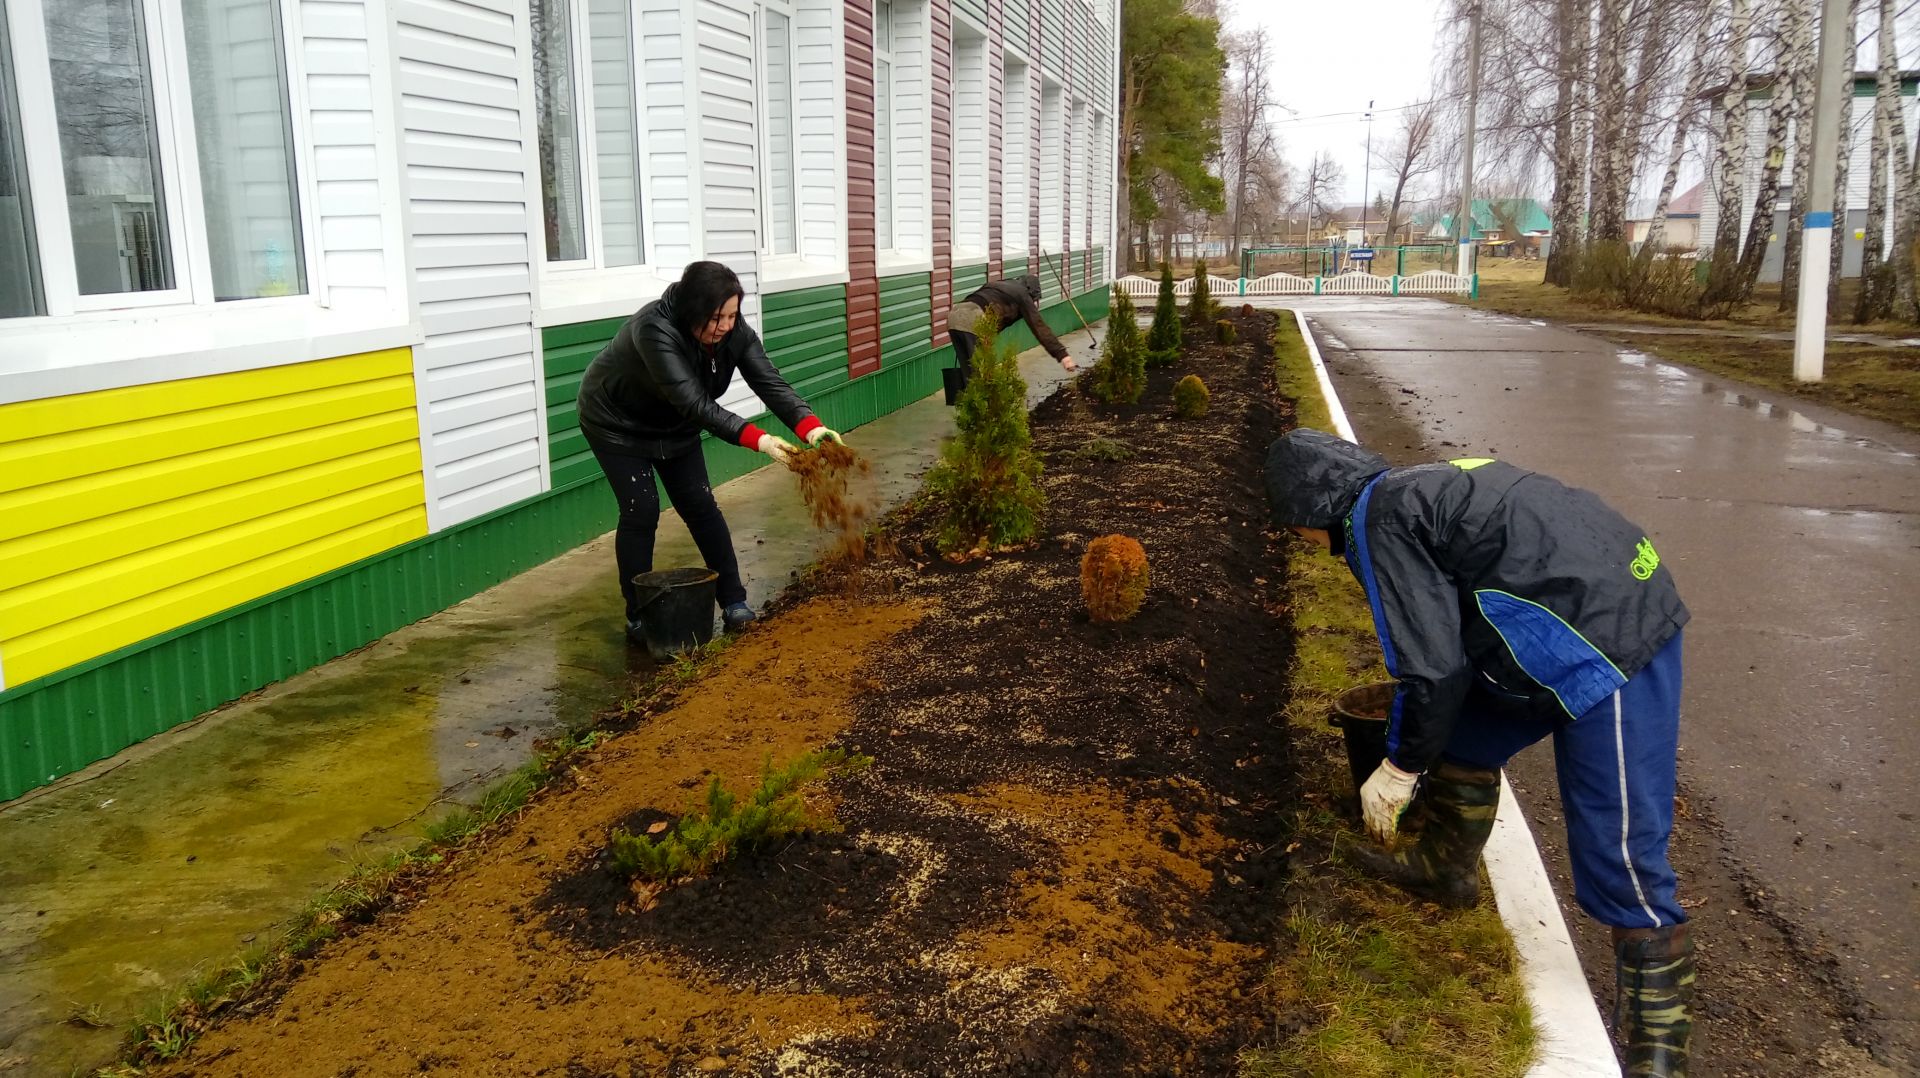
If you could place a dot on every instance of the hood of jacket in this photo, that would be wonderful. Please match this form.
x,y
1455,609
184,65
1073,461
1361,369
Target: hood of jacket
x,y
1313,478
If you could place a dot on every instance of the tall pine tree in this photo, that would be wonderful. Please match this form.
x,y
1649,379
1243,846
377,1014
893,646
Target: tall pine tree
x,y
1163,337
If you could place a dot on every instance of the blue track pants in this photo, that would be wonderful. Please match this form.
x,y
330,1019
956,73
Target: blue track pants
x,y
1616,771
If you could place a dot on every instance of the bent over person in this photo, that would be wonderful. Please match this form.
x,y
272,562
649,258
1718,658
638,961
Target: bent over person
x,y
1511,607
1008,302
646,398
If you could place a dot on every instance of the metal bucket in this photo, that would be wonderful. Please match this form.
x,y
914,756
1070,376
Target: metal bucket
x,y
676,609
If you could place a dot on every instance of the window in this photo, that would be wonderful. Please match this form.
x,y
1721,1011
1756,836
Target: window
x,y
883,126
782,186
82,92
1016,157
587,113
969,142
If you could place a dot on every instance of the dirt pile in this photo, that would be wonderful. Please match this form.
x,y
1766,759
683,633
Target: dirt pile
x,y
825,475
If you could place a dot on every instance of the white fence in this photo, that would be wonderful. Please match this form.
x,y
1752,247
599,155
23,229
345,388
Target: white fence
x,y
1432,282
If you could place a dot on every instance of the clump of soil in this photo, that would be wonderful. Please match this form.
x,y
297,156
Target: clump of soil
x,y
1067,858
824,474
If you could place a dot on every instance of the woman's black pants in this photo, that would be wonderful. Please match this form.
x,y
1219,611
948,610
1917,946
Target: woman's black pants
x,y
685,478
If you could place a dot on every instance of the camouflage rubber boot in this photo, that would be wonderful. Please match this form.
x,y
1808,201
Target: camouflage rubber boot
x,y
1654,1001
1444,865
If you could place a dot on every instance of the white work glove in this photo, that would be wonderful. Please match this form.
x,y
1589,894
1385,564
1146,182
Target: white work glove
x,y
777,448
1067,363
822,434
1384,797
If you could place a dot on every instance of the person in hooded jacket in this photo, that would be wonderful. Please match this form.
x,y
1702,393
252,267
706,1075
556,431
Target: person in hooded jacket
x,y
1008,302
644,402
1510,608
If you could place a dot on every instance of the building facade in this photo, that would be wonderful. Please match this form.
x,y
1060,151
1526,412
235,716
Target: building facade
x,y
295,295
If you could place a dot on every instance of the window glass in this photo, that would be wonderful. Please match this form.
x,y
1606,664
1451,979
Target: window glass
x,y
616,135
19,261
558,117
782,235
103,107
245,135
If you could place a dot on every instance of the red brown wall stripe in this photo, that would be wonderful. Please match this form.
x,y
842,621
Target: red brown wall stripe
x,y
996,109
863,285
942,172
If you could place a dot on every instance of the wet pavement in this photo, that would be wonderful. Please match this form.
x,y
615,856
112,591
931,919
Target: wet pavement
x,y
1794,534
119,883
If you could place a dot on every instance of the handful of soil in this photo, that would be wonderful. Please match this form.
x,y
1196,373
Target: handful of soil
x,y
823,473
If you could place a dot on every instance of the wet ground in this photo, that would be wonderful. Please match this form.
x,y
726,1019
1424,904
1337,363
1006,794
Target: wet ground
x,y
116,884
1794,534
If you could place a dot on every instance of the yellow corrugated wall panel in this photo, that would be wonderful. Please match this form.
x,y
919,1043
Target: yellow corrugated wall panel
x,y
98,449
88,497
52,649
60,415
45,554
129,512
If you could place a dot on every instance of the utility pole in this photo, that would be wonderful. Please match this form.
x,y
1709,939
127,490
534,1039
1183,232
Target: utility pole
x,y
1366,173
1464,222
1830,90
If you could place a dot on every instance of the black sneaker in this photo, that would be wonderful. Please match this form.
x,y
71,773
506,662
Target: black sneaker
x,y
738,616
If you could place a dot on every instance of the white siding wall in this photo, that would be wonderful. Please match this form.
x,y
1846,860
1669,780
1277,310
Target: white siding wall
x,y
724,70
969,145
465,166
820,87
665,78
912,124
355,226
1016,158
1053,124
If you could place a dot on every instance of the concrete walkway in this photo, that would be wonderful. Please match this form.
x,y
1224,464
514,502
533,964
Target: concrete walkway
x,y
1834,336
1794,534
118,883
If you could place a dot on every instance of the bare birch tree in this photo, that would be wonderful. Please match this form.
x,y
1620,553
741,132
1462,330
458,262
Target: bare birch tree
x,y
1842,163
1409,157
1773,156
1569,145
1874,294
1608,164
1251,150
1730,159
1800,54
1682,127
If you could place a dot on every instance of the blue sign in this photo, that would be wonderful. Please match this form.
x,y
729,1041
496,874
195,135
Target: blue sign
x,y
1360,254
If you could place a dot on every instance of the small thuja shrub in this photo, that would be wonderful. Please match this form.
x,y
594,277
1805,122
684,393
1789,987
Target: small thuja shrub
x,y
724,824
988,478
1113,578
1163,337
1200,301
1190,397
1223,331
1103,449
1121,375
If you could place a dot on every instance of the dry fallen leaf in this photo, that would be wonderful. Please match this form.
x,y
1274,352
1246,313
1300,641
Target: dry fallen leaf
x,y
656,828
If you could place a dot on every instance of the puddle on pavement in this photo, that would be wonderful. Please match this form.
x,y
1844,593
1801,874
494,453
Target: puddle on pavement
x,y
180,852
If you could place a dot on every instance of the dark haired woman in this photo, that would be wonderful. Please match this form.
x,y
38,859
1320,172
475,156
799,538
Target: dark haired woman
x,y
645,400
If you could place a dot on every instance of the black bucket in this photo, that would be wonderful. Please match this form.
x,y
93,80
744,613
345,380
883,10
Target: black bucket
x,y
953,379
676,609
1361,715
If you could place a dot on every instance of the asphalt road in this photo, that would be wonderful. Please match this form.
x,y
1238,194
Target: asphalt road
x,y
1794,534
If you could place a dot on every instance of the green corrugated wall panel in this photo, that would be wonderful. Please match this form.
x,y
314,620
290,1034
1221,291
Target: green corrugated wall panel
x,y
62,723
565,352
968,278
806,336
906,318
1013,267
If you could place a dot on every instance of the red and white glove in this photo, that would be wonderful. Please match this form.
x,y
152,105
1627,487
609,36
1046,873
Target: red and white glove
x,y
1384,797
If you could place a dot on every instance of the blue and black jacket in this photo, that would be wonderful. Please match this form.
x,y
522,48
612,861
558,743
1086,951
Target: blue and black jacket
x,y
1481,574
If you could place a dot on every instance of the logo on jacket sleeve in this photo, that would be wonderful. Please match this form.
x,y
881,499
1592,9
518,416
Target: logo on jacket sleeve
x,y
1645,561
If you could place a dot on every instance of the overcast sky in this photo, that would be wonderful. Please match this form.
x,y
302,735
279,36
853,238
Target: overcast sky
x,y
1319,47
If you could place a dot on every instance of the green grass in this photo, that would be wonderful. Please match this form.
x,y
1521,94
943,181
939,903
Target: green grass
x,y
1371,982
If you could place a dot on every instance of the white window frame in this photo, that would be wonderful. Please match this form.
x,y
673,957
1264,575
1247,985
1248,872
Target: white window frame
x,y
764,134
180,197
969,249
885,56
577,270
1015,242
915,254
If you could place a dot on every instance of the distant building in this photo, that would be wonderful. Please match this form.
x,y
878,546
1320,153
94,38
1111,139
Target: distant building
x,y
1683,221
1506,227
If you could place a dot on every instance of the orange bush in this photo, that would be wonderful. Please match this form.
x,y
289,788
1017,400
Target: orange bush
x,y
1113,578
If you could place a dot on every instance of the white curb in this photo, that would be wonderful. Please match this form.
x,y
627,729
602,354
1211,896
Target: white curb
x,y
1573,1041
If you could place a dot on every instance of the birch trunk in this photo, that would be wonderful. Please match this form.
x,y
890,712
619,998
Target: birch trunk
x,y
1609,124
1583,92
1801,49
1652,24
1904,307
1753,254
1677,149
1566,157
1730,161
1837,257
1874,298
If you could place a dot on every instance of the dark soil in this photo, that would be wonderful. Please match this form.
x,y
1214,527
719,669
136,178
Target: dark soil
x,y
1067,857
1770,1003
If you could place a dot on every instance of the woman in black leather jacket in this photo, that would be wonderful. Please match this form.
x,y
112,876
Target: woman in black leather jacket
x,y
646,399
